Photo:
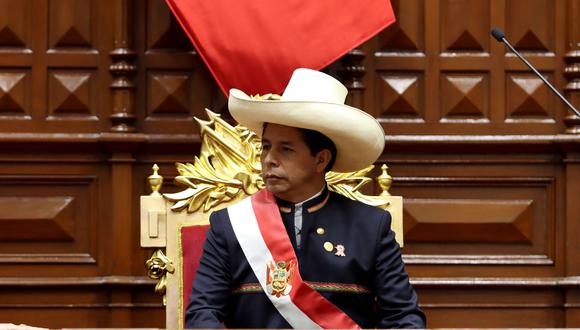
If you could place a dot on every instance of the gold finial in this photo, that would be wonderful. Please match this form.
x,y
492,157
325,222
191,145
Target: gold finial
x,y
385,181
155,180
157,268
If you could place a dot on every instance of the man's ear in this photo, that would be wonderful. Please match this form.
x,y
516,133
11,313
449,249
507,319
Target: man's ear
x,y
322,159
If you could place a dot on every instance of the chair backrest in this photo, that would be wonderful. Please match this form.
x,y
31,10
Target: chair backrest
x,y
226,171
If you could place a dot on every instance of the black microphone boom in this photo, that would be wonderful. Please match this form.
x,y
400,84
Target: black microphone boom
x,y
500,36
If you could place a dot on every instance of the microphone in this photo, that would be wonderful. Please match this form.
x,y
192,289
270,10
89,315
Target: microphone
x,y
500,36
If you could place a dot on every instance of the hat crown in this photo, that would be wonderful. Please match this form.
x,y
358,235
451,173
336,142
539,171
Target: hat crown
x,y
314,86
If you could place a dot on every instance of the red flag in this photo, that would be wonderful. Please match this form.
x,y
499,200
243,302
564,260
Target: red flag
x,y
255,45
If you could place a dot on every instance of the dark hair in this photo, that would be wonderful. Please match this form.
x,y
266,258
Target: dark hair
x,y
316,142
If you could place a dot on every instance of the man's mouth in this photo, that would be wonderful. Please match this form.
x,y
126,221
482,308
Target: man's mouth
x,y
272,177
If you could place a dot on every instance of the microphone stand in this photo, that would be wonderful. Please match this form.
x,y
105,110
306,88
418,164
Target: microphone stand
x,y
500,36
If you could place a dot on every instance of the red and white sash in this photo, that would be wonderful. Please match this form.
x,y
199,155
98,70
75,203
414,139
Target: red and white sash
x,y
261,233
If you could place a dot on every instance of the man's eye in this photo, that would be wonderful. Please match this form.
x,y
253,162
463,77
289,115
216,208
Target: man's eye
x,y
286,149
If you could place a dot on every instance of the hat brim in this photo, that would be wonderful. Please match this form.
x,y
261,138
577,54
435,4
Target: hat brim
x,y
358,137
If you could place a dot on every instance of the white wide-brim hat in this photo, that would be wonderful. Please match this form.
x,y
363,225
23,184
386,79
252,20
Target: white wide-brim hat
x,y
315,101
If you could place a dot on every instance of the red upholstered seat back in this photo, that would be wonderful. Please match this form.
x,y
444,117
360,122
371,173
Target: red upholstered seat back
x,y
190,249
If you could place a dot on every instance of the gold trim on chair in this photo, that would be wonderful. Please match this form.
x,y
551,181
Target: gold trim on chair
x,y
227,168
180,307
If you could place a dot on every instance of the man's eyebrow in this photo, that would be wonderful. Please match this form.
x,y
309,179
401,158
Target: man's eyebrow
x,y
283,142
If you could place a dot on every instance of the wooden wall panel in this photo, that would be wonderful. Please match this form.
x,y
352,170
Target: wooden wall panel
x,y
400,97
464,97
162,29
534,28
70,24
15,15
169,95
460,57
476,306
54,65
177,85
50,216
93,93
49,220
500,218
72,95
485,215
408,32
459,31
15,94
528,99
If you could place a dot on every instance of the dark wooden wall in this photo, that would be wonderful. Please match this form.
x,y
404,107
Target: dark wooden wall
x,y
488,160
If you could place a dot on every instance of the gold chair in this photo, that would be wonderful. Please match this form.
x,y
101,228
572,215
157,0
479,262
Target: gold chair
x,y
226,171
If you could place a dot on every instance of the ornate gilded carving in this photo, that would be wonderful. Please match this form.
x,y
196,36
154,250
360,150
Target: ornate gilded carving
x,y
228,167
349,184
157,268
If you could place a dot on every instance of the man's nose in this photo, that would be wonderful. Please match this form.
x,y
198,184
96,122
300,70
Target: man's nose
x,y
270,159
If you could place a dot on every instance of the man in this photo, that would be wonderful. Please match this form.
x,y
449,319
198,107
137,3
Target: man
x,y
295,254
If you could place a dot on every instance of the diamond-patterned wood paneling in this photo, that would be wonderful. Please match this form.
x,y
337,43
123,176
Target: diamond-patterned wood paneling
x,y
400,95
169,93
15,24
55,216
14,94
509,221
163,30
534,27
37,218
527,97
408,32
464,96
71,94
70,23
460,31
507,217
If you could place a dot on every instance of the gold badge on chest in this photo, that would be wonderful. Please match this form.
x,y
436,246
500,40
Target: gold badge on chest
x,y
279,277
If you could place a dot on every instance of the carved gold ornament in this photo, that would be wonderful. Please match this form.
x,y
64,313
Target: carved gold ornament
x,y
228,167
157,268
348,184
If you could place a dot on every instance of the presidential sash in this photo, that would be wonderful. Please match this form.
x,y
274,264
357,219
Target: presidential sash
x,y
261,233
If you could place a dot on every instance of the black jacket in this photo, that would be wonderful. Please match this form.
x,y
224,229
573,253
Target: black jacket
x,y
369,283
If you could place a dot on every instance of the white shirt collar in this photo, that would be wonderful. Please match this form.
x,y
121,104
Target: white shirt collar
x,y
312,197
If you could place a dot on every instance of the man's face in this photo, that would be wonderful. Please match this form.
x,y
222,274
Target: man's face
x,y
289,169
